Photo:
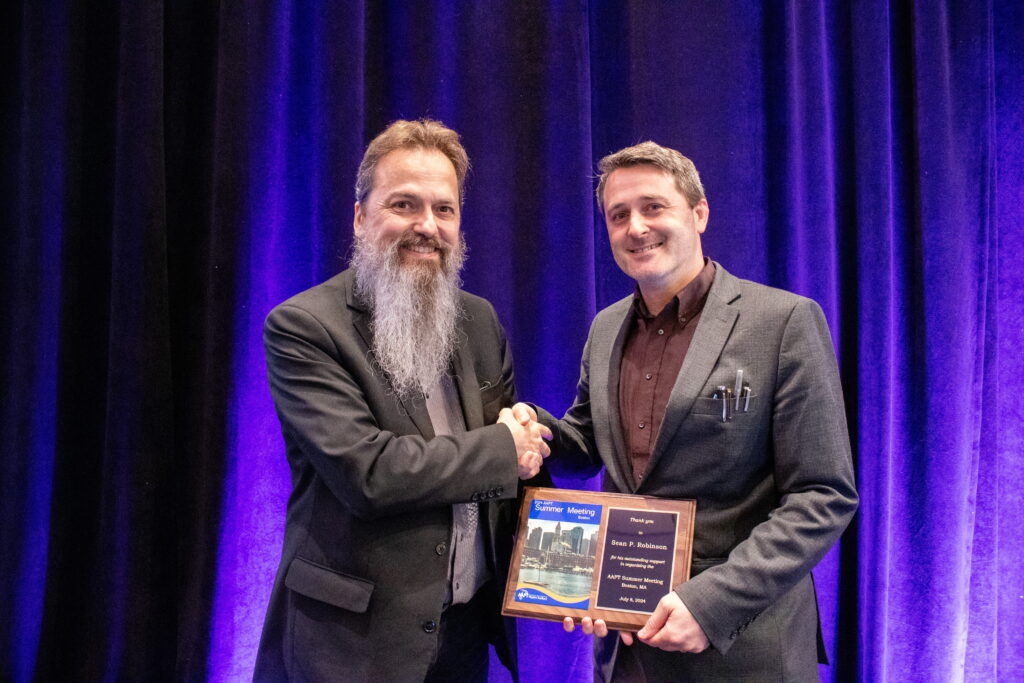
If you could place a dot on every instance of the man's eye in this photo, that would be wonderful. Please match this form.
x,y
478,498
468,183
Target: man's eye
x,y
654,208
618,217
450,210
401,204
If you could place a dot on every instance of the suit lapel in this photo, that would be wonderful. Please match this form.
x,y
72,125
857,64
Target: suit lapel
x,y
713,330
608,343
414,408
469,388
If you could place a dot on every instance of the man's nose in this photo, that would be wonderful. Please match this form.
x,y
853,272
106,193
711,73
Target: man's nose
x,y
426,224
637,226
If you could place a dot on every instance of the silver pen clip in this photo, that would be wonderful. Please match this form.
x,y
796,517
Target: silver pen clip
x,y
738,388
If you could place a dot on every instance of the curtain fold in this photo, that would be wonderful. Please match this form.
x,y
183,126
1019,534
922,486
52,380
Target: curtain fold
x,y
173,170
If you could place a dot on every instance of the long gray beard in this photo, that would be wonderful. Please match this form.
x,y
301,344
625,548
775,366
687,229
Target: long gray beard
x,y
414,311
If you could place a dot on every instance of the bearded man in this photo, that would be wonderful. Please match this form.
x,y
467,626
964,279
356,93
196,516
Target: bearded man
x,y
392,387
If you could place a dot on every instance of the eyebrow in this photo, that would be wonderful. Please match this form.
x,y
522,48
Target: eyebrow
x,y
405,194
400,194
645,198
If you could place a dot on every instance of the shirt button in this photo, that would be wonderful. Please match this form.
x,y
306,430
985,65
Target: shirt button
x,y
440,548
648,376
661,331
641,425
430,626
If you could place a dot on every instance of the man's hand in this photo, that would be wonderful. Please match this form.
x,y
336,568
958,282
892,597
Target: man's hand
x,y
595,627
673,628
524,414
529,437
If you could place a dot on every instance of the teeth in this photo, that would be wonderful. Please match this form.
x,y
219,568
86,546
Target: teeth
x,y
420,248
646,248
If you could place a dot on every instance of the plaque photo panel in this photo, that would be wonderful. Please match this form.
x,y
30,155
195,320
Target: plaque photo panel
x,y
604,555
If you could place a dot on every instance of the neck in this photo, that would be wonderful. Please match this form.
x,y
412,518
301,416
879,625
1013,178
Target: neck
x,y
657,295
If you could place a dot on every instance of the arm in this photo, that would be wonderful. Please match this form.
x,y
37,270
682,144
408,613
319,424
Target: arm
x,y
326,413
813,477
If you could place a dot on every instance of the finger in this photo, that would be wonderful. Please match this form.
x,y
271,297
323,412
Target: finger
x,y
539,431
568,624
522,414
527,409
588,625
655,622
627,637
600,628
544,450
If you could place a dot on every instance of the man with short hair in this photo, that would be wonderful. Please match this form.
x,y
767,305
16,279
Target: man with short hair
x,y
388,380
701,385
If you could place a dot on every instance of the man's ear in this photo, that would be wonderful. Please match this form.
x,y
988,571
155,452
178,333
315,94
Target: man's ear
x,y
703,211
357,219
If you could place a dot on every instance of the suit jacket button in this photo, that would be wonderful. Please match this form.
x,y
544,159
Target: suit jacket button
x,y
440,548
475,497
492,493
430,626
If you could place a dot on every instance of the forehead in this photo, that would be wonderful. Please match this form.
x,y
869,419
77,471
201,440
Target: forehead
x,y
636,182
415,169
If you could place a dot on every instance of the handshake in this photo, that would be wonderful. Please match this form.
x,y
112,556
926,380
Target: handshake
x,y
529,436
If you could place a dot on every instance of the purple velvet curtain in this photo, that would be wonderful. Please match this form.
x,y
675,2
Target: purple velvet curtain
x,y
173,170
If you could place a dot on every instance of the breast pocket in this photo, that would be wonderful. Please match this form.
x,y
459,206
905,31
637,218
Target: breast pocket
x,y
492,397
727,410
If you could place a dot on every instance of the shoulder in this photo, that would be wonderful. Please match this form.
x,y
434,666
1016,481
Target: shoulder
x,y
611,317
756,298
476,306
325,304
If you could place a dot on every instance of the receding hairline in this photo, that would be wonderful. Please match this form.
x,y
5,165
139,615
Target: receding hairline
x,y
670,161
426,134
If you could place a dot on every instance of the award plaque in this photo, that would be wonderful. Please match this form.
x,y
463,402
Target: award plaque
x,y
606,556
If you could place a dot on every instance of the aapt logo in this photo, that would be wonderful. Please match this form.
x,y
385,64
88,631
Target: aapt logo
x,y
522,594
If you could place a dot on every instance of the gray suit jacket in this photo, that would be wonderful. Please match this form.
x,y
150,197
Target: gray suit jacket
x,y
774,486
363,574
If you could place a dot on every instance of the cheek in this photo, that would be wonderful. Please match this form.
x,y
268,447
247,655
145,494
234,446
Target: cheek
x,y
449,234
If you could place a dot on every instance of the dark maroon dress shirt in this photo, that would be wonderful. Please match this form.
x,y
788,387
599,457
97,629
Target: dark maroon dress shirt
x,y
653,353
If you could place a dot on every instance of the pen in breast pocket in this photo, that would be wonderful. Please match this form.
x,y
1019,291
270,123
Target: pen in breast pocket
x,y
720,395
738,387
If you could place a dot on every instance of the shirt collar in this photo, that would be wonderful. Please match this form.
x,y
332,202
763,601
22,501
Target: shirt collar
x,y
688,302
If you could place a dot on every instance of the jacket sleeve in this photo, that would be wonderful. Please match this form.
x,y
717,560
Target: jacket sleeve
x,y
325,413
813,475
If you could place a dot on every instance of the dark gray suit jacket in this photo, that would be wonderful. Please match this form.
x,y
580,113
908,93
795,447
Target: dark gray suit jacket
x,y
774,486
363,573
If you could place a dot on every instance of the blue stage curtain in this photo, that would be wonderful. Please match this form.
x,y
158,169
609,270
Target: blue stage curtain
x,y
173,170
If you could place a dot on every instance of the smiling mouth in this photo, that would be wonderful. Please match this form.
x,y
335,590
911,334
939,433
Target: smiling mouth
x,y
646,248
420,248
